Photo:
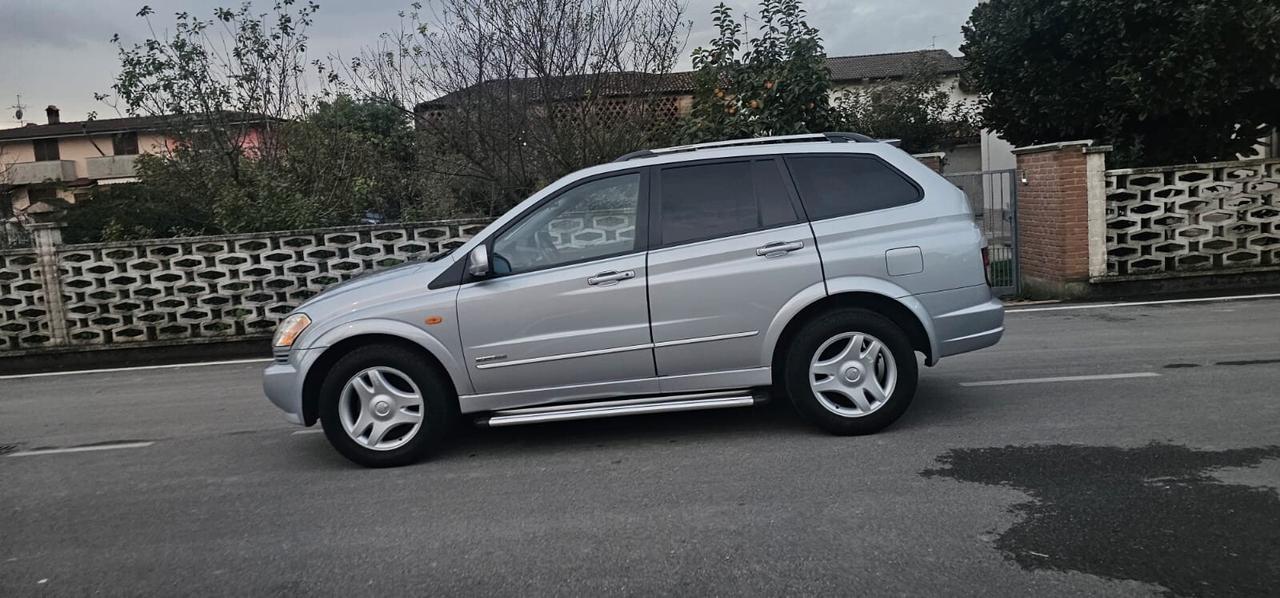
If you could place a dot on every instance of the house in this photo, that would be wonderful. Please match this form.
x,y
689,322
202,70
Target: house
x,y
45,168
55,164
674,92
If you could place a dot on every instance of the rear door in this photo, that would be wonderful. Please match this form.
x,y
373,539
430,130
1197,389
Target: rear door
x,y
729,247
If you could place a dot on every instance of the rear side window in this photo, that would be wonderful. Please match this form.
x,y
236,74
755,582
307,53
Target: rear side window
x,y
832,186
706,201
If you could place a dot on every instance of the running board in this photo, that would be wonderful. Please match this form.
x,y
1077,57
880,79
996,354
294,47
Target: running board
x,y
658,404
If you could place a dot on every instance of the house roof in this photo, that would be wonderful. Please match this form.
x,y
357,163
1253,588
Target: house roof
x,y
890,66
866,67
575,86
105,126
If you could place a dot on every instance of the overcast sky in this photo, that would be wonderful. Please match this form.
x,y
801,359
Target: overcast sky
x,y
59,51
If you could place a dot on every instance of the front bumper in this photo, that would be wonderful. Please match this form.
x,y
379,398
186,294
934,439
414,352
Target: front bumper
x,y
282,383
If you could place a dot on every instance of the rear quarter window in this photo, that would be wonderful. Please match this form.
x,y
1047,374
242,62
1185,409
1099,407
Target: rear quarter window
x,y
832,186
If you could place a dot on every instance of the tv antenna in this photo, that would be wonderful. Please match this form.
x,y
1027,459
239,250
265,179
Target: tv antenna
x,y
18,108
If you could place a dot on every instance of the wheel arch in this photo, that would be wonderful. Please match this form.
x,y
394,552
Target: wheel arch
x,y
904,310
320,365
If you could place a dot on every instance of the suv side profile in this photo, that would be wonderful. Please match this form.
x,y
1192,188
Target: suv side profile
x,y
810,267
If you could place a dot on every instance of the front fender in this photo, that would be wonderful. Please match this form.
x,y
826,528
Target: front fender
x,y
438,348
837,286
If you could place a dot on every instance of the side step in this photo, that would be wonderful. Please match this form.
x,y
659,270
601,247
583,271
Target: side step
x,y
658,404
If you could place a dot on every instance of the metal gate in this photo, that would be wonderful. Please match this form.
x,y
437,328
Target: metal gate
x,y
993,196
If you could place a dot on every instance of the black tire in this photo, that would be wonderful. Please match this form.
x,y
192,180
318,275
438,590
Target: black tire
x,y
439,405
826,326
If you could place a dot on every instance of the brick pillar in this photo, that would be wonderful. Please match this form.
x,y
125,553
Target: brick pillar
x,y
934,160
1061,217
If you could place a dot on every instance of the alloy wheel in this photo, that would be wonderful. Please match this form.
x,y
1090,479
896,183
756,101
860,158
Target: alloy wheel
x,y
853,374
381,408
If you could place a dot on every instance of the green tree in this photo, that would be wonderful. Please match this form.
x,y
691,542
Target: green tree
x,y
917,110
777,85
1165,81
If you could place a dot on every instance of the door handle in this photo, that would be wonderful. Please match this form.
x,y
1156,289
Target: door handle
x,y
779,248
610,278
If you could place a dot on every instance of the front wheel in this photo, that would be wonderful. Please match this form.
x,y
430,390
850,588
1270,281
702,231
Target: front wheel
x,y
384,406
851,371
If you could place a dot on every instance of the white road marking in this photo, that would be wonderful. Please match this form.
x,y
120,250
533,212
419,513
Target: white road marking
x,y
80,449
1062,379
314,431
1136,303
136,368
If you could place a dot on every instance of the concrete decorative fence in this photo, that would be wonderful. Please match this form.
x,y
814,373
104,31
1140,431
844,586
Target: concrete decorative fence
x,y
1086,230
24,318
228,287
1193,218
223,287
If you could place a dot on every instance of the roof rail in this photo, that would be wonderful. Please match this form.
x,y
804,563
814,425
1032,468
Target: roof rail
x,y
800,138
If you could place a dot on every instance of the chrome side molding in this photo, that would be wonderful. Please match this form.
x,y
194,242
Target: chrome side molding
x,y
618,408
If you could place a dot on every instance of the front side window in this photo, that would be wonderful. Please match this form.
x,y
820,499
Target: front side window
x,y
832,186
705,201
591,221
46,149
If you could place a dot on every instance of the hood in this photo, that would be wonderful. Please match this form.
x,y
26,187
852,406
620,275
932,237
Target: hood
x,y
350,293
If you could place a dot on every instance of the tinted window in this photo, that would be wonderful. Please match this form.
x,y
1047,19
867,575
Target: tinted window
x,y
590,221
714,200
833,186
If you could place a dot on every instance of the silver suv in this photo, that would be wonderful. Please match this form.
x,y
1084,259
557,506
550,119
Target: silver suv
x,y
810,267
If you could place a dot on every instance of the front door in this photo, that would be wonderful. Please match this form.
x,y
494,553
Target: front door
x,y
566,305
729,249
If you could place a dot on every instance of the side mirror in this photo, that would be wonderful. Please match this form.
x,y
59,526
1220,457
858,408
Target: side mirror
x,y
479,261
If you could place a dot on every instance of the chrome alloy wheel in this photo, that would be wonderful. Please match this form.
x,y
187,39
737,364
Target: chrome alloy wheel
x,y
853,374
381,408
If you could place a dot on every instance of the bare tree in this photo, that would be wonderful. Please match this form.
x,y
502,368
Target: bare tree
x,y
514,93
221,84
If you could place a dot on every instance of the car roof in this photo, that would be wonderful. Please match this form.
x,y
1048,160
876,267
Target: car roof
x,y
763,146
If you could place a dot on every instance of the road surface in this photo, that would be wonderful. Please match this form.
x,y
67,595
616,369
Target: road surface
x,y
1119,450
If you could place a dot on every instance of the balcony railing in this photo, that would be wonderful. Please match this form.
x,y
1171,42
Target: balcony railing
x,y
27,173
110,167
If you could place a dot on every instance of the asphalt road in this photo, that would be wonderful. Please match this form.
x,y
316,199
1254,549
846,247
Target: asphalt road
x,y
1162,482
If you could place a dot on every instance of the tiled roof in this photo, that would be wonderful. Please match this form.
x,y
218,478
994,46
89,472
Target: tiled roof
x,y
868,67
104,126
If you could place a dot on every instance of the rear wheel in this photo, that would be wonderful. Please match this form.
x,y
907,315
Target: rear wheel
x,y
384,406
851,371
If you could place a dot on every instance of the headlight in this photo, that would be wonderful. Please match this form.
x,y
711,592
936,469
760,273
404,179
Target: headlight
x,y
289,330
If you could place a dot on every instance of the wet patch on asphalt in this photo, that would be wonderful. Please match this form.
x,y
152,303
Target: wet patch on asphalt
x,y
1249,362
1152,514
